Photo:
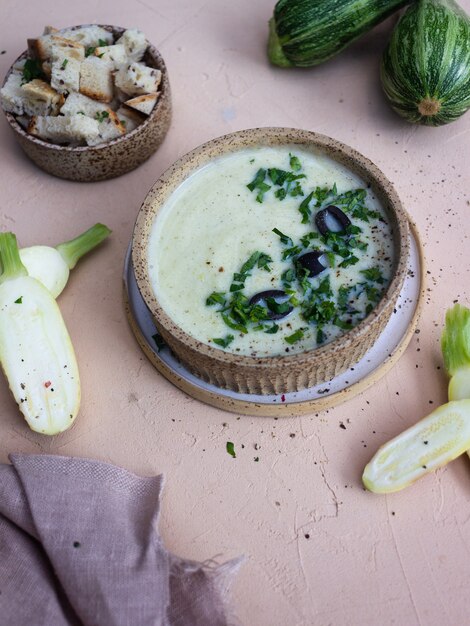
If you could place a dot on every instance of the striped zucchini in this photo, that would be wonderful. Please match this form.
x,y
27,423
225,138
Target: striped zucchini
x,y
425,69
308,32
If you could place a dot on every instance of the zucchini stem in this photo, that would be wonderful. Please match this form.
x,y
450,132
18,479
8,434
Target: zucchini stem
x,y
10,258
73,250
275,52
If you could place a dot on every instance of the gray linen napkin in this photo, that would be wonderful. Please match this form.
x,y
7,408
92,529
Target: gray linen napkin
x,y
79,545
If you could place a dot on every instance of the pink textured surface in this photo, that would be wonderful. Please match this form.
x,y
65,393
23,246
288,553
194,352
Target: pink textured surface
x,y
320,550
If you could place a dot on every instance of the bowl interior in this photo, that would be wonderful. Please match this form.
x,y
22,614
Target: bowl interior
x,y
204,154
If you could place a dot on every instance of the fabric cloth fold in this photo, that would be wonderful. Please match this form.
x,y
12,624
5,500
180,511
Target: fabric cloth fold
x,y
79,545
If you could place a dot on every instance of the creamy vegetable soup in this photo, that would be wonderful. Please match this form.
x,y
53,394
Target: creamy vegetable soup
x,y
270,251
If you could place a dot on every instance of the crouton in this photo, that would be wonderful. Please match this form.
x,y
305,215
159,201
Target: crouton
x,y
50,30
64,129
109,128
11,96
41,98
40,48
66,57
78,103
138,79
144,104
114,54
67,48
89,36
33,98
110,125
129,118
96,79
135,44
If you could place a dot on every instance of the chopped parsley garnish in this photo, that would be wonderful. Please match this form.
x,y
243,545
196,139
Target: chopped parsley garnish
x,y
290,252
19,300
318,304
101,44
32,69
64,64
225,341
297,336
272,330
304,208
259,184
287,241
234,325
294,162
307,239
374,275
287,182
216,298
288,277
102,115
278,307
350,260
231,449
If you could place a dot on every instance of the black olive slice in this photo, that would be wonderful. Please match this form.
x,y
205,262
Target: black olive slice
x,y
311,262
331,214
274,294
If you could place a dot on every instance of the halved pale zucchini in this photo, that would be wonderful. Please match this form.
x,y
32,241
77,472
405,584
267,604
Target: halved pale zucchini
x,y
434,441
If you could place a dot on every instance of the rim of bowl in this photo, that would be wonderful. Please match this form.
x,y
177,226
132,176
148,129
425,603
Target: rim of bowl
x,y
164,88
189,163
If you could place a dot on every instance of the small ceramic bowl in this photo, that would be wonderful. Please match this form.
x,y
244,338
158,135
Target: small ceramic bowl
x,y
272,374
111,159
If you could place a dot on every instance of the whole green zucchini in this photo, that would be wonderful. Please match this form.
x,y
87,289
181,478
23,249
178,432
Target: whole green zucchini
x,y
308,32
425,69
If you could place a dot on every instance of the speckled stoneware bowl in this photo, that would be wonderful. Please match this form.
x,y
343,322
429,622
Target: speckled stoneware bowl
x,y
272,374
116,157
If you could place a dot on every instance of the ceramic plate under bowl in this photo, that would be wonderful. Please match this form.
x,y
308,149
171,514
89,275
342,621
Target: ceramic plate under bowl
x,y
389,347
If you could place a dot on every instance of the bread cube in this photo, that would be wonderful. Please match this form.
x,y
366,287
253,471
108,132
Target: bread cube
x,y
64,129
129,118
144,104
135,43
65,68
41,98
33,98
114,54
138,79
96,79
11,95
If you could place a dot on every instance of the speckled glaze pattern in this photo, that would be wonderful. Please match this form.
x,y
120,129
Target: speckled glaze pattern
x,y
104,161
275,374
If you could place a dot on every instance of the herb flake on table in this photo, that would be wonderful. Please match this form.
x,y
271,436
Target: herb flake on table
x,y
230,449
